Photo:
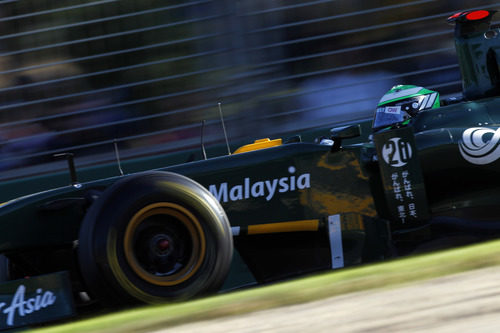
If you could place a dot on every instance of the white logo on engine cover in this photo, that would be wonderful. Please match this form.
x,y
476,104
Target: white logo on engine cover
x,y
480,145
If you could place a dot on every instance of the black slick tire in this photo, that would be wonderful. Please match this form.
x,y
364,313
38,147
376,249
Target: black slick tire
x,y
154,237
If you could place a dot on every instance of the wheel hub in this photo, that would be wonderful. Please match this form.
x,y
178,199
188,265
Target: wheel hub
x,y
161,245
164,244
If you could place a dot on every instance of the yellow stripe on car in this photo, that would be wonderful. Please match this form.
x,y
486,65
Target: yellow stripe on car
x,y
290,226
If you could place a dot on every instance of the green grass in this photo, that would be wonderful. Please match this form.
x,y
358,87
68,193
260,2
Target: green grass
x,y
382,275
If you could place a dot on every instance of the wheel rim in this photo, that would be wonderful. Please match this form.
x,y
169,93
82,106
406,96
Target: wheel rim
x,y
164,244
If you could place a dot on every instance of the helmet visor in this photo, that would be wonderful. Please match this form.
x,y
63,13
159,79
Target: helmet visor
x,y
393,113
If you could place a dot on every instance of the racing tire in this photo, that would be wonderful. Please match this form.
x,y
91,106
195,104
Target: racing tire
x,y
154,237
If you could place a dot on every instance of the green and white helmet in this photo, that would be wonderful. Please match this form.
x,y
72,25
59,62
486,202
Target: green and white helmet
x,y
403,102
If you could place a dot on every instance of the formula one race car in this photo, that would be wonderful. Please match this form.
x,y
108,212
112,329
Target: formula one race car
x,y
426,178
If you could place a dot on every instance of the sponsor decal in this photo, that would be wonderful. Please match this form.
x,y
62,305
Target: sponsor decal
x,y
35,300
396,152
263,188
22,306
480,145
393,109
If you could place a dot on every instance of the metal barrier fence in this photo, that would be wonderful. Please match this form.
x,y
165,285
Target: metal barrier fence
x,y
77,76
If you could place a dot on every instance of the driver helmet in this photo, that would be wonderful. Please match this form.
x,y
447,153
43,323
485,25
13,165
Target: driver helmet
x,y
403,102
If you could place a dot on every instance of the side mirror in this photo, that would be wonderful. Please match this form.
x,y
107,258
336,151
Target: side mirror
x,y
344,132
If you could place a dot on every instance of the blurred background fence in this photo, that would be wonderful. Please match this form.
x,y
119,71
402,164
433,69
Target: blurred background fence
x,y
76,76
